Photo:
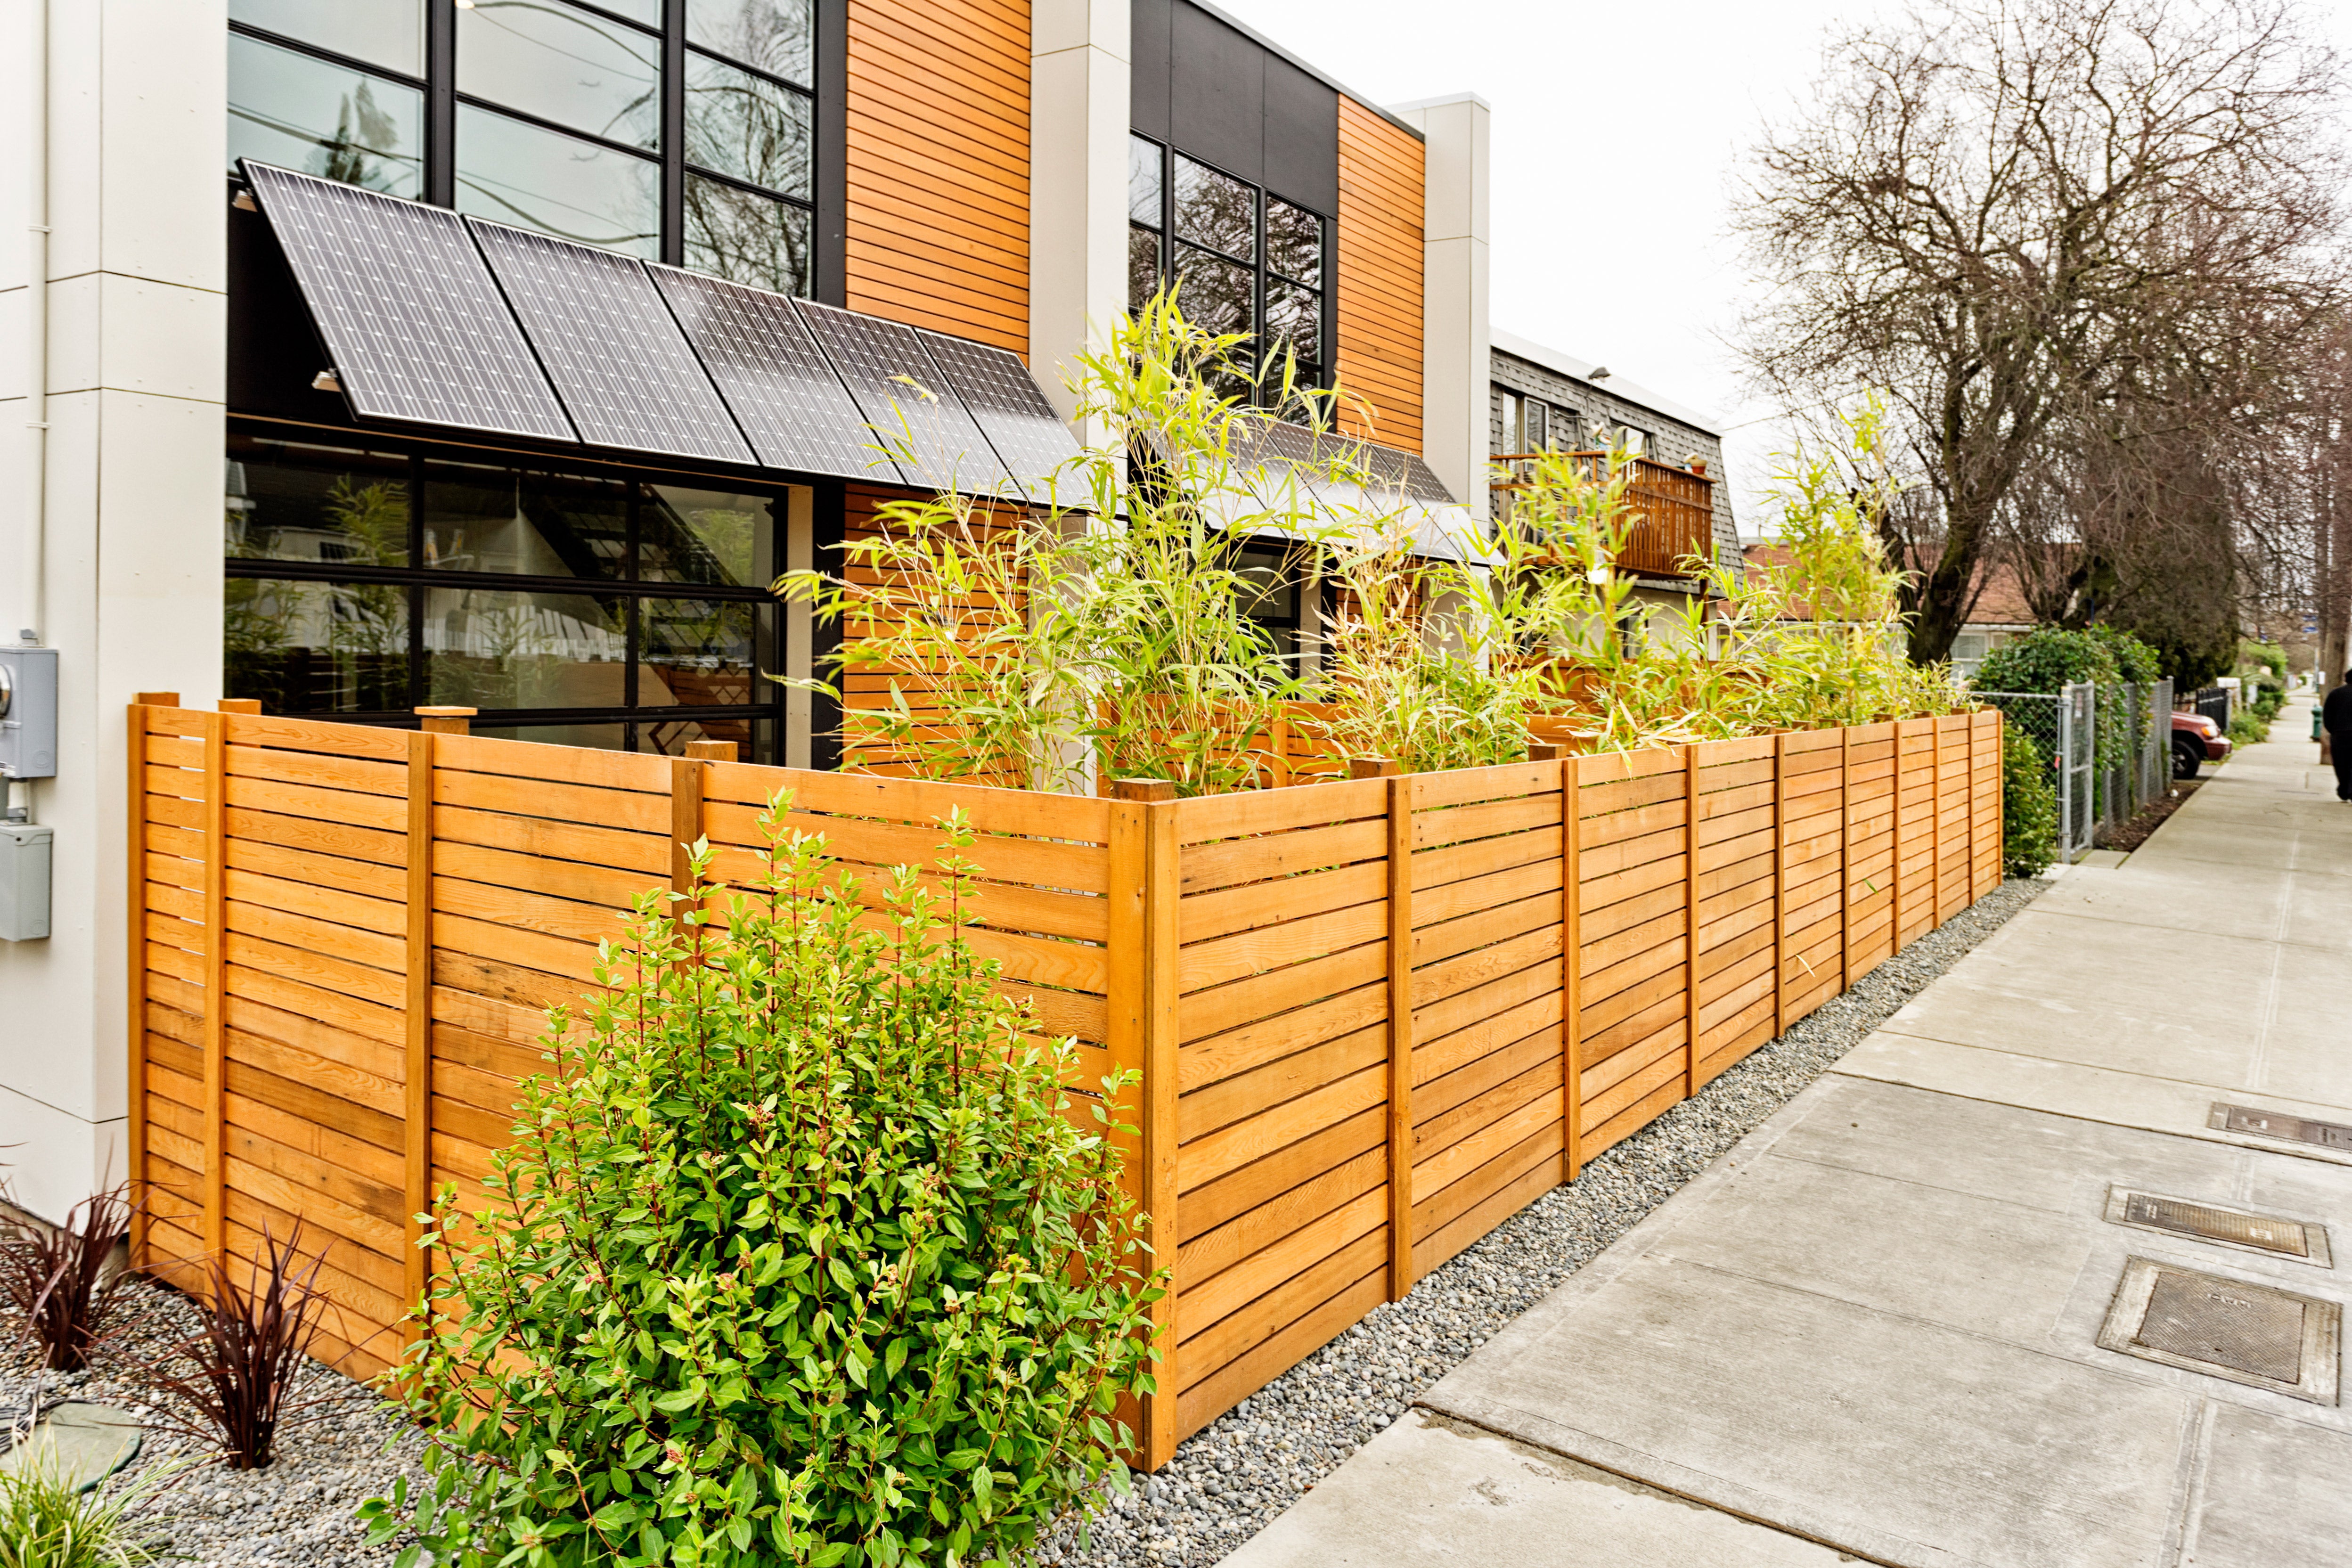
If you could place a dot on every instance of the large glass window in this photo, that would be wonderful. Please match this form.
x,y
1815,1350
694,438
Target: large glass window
x,y
564,64
1244,260
560,119
575,604
300,111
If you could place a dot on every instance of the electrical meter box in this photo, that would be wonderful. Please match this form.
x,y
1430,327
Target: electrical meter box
x,y
23,881
28,713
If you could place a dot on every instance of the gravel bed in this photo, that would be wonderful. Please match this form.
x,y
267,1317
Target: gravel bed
x,y
1230,1481
344,1446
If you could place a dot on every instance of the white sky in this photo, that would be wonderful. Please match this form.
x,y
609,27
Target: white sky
x,y
1617,131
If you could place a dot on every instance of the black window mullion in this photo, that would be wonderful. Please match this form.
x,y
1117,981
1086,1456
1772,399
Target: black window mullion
x,y
441,102
673,132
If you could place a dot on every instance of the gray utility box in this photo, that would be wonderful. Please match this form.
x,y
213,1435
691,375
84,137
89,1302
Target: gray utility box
x,y
28,713
23,881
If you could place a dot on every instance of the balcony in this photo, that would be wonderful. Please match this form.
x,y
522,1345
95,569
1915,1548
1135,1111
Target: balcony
x,y
1672,510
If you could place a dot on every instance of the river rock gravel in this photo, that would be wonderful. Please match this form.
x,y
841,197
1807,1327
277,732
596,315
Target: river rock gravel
x,y
1229,1481
1225,1483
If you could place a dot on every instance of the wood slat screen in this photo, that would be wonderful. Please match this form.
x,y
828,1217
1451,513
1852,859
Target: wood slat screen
x,y
1382,218
1373,1018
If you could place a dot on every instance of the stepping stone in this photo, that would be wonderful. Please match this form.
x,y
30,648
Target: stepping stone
x,y
76,1441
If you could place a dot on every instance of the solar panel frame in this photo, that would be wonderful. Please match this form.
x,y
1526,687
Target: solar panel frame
x,y
618,358
949,451
1009,408
776,379
414,323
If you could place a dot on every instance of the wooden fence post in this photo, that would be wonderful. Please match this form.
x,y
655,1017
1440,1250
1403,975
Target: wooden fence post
x,y
417,1103
1571,964
213,1192
1935,823
685,820
1846,859
1144,886
1690,921
1399,1009
446,720
711,751
2001,796
135,857
1779,887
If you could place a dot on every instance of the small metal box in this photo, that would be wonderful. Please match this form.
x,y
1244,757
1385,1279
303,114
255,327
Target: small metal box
x,y
28,713
23,881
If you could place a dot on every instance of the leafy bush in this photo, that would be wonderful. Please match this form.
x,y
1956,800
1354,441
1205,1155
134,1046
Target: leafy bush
x,y
2029,804
2249,726
799,1255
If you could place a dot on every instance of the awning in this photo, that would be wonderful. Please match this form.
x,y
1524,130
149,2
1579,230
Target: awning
x,y
431,318
1353,485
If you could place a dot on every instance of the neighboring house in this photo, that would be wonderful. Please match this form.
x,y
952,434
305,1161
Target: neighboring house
x,y
344,454
1999,614
1541,399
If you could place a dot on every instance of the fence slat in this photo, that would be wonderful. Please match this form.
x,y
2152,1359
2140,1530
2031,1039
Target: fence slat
x,y
1400,948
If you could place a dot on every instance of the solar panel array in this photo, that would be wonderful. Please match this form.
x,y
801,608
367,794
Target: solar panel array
x,y
409,312
1004,401
437,320
877,360
615,353
783,389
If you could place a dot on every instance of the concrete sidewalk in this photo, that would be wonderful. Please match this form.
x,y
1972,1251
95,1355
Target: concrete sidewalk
x,y
1874,1327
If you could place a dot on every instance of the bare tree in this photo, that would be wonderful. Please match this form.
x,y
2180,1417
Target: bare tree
x,y
2017,218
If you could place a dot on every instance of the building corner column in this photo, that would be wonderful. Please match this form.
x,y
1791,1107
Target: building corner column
x,y
1079,83
1455,335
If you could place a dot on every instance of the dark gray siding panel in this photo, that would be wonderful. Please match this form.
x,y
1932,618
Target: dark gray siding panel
x,y
1148,111
1302,137
1216,94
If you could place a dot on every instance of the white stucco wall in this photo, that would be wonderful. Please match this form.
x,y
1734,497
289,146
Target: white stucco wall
x,y
135,369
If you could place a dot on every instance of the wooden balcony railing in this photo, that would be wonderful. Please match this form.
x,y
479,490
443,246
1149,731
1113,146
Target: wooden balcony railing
x,y
1673,510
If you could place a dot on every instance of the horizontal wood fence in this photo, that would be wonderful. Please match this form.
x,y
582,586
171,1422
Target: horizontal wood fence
x,y
1374,1018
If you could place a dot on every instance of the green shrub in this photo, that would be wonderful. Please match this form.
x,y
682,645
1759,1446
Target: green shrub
x,y
2029,804
2249,727
799,1256
46,1520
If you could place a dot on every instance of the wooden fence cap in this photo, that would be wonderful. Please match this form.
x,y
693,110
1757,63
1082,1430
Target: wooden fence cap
x,y
157,699
239,705
447,713
1372,768
711,750
1143,789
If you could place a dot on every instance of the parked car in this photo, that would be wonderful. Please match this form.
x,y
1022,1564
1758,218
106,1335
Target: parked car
x,y
2196,741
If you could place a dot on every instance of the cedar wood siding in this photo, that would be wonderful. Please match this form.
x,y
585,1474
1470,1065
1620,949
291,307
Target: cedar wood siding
x,y
937,149
1380,259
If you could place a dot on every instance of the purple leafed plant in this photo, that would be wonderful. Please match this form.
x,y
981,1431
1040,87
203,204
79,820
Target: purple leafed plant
x,y
247,1352
55,1276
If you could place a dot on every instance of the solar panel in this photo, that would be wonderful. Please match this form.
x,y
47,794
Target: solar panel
x,y
410,314
782,390
872,356
616,355
1004,400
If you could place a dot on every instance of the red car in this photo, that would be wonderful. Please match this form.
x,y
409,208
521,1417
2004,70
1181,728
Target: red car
x,y
2196,741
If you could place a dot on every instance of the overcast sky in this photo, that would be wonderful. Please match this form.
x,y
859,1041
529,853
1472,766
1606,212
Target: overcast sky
x,y
1617,131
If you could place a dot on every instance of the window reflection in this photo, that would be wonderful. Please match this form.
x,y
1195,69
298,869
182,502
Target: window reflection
x,y
481,518
1294,242
316,648
288,501
1215,210
744,125
701,653
746,237
772,35
300,112
1143,182
1213,293
387,33
712,537
498,647
1142,267
539,179
1294,315
558,62
611,737
752,738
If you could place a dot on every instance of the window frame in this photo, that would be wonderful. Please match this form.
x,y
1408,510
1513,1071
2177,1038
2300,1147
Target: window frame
x,y
629,586
825,97
1325,287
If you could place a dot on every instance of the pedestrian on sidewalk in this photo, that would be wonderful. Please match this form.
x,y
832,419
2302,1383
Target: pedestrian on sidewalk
x,y
2336,713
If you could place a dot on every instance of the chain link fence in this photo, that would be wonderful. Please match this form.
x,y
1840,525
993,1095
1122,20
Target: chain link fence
x,y
2108,747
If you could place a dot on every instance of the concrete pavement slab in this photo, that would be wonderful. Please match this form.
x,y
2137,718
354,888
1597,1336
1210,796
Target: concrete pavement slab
x,y
1432,1490
2274,1492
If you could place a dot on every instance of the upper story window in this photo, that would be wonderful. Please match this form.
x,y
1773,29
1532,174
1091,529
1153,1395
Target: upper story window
x,y
563,117
1244,260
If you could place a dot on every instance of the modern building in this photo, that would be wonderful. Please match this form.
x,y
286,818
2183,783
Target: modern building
x,y
1541,399
394,353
